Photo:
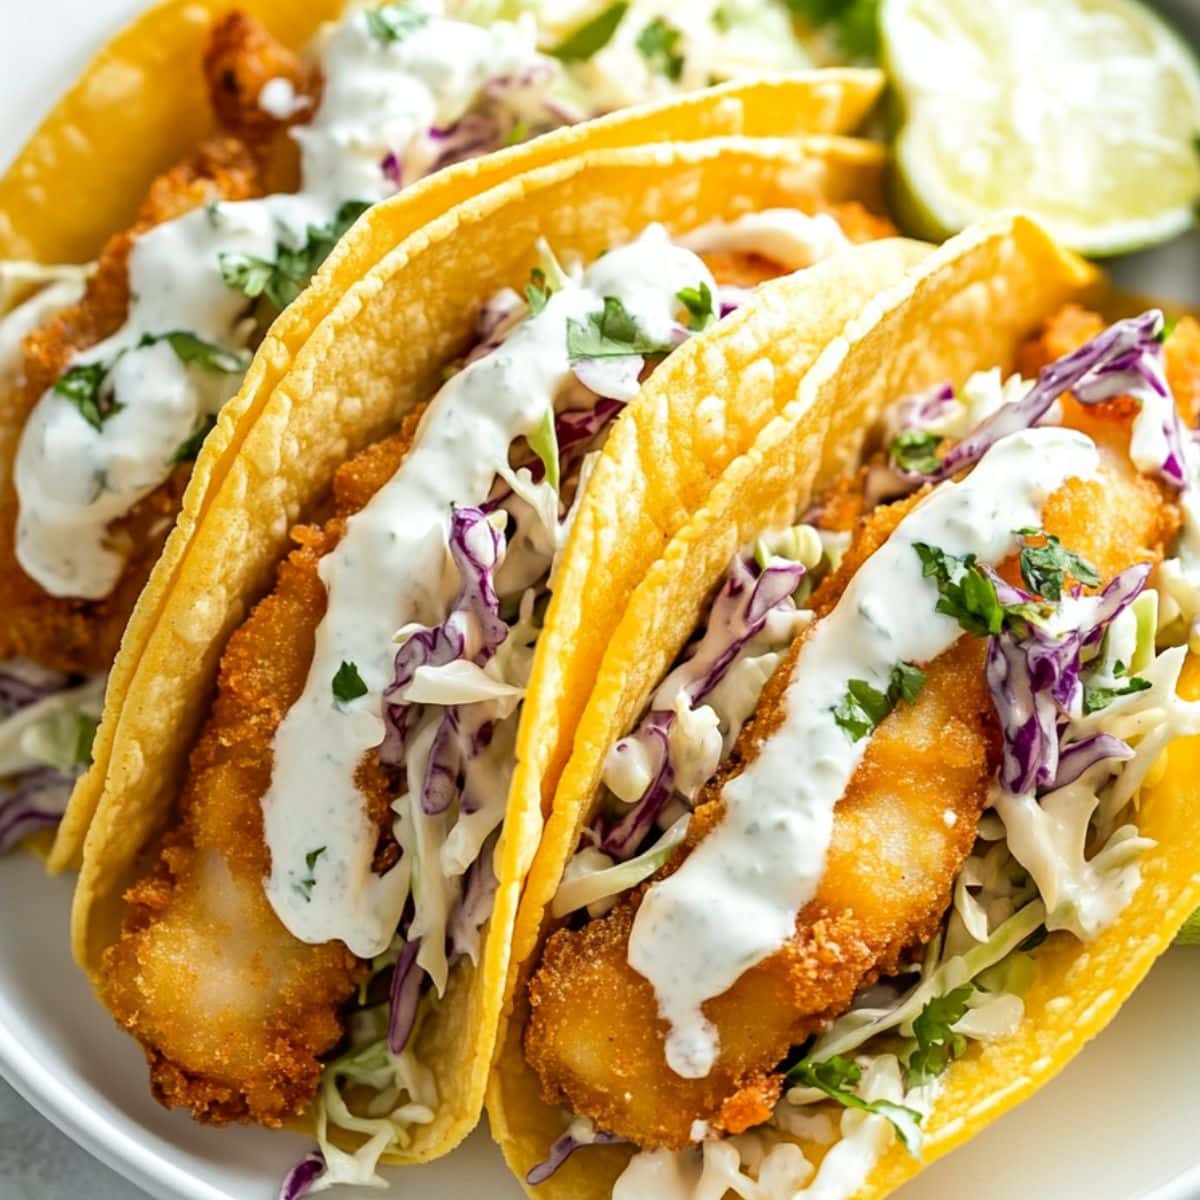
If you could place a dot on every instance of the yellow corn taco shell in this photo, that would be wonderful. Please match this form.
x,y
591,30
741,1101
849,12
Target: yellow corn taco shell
x,y
125,111
378,353
967,306
141,104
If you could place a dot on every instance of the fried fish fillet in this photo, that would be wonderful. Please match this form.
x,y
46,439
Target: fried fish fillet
x,y
232,1011
901,832
75,635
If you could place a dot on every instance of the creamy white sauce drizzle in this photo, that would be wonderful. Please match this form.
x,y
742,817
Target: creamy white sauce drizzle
x,y
787,236
379,99
735,899
392,567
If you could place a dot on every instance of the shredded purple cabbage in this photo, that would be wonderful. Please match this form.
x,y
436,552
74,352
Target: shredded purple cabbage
x,y
1123,360
36,801
475,907
730,298
473,630
739,612
18,690
561,1150
1080,756
922,409
407,980
1035,680
393,169
300,1179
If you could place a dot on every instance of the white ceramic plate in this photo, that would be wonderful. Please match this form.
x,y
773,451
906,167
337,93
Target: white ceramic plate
x,y
1118,1124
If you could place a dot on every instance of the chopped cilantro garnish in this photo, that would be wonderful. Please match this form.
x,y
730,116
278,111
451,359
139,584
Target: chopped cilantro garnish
x,y
394,22
855,23
592,36
310,859
1097,698
537,294
348,684
835,1076
83,385
544,443
659,46
968,595
915,451
612,333
699,303
1043,567
722,19
1167,329
520,131
937,1043
85,737
189,448
191,350
284,279
864,706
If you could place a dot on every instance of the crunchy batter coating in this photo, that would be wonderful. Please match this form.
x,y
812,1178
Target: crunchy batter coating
x,y
594,1034
901,832
70,634
241,58
233,1011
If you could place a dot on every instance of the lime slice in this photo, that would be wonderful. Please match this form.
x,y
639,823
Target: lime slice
x,y
1083,112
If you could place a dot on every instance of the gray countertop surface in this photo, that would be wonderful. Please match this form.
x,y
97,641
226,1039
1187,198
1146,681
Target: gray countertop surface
x,y
39,1163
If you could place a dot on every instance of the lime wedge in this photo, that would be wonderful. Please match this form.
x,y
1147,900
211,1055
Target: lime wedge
x,y
1083,112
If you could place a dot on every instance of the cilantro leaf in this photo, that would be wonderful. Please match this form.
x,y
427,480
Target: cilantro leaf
x,y
1043,567
937,1043
189,448
348,684
192,350
906,682
659,46
968,595
699,303
1167,329
394,22
537,294
836,1075
83,385
592,36
284,279
612,333
915,451
864,706
544,443
85,738
1097,698
855,23
310,859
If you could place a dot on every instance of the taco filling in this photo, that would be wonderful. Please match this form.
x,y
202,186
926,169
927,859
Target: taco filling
x,y
121,380
345,799
904,748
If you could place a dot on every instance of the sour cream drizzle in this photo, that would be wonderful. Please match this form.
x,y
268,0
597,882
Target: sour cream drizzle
x,y
380,99
735,900
392,568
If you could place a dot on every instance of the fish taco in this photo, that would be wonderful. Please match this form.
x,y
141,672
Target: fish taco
x,y
206,164
883,800
327,774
